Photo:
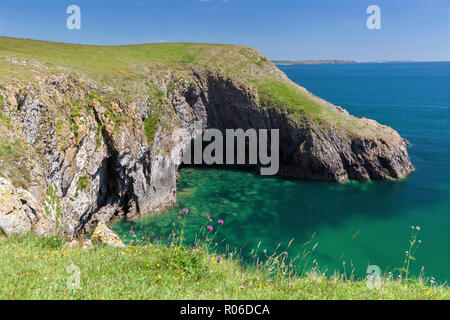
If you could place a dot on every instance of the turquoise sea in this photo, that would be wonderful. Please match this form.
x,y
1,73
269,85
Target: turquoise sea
x,y
355,224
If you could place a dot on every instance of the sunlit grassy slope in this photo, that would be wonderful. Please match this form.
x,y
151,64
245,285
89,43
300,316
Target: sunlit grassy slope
x,y
129,68
125,62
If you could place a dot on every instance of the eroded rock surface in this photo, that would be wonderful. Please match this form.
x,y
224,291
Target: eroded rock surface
x,y
21,213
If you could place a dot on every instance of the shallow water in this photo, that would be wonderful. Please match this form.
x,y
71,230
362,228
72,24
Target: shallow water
x,y
357,223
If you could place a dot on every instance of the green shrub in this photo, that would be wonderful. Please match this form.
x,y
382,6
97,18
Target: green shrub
x,y
150,127
82,183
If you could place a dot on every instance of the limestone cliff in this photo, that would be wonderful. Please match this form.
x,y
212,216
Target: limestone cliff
x,y
101,151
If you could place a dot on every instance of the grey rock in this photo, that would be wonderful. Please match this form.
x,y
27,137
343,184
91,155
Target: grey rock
x,y
21,213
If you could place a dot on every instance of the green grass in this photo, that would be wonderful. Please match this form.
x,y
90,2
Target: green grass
x,y
124,61
150,127
36,268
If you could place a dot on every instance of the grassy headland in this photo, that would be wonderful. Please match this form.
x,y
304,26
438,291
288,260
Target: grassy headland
x,y
131,71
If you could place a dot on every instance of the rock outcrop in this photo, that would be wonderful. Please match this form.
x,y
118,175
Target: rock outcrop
x,y
106,236
101,157
20,212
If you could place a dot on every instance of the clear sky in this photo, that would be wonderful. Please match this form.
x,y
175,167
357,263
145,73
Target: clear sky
x,y
416,30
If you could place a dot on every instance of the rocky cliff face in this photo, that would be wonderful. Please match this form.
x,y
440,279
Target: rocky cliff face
x,y
100,158
307,150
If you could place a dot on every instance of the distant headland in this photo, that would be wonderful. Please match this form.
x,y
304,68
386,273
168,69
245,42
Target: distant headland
x,y
295,62
291,62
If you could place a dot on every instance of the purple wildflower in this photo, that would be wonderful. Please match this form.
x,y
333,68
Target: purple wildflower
x,y
220,221
210,228
185,211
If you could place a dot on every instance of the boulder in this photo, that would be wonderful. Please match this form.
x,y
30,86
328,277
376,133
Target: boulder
x,y
106,236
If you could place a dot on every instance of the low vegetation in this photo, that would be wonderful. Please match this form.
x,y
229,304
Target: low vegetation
x,y
43,268
47,268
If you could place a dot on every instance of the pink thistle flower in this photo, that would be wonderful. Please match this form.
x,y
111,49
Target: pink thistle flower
x,y
210,228
185,211
132,232
220,221
208,216
219,259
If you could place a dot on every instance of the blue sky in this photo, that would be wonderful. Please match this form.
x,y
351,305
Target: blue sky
x,y
416,30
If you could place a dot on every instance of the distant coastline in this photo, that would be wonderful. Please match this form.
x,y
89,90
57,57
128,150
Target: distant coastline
x,y
298,62
292,62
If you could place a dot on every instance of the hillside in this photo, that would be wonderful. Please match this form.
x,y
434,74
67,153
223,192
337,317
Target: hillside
x,y
97,126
